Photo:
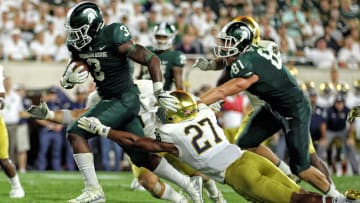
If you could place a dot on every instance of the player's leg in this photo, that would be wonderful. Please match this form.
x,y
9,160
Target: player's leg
x,y
213,192
257,179
8,167
297,140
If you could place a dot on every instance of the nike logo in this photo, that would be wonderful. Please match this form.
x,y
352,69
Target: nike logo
x,y
101,48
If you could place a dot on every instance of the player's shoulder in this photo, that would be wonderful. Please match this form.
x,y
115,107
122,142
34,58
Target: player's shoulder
x,y
119,32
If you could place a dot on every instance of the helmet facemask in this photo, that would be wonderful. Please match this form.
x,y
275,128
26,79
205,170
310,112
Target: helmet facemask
x,y
78,37
164,35
233,40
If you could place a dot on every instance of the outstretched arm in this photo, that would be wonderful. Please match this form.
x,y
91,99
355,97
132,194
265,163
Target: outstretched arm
x,y
229,88
93,125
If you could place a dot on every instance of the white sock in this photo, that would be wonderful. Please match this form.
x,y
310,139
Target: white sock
x,y
85,163
167,171
284,168
15,182
333,192
210,186
170,194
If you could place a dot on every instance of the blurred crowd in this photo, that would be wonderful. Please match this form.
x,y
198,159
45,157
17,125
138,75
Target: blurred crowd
x,y
323,33
315,32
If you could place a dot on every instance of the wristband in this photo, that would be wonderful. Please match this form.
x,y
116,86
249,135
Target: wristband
x,y
66,117
157,87
50,115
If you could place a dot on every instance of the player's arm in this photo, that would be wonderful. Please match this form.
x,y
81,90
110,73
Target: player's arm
x,y
144,57
229,88
62,116
178,77
93,125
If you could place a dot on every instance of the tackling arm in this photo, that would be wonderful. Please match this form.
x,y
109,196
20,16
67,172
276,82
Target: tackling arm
x,y
231,87
178,77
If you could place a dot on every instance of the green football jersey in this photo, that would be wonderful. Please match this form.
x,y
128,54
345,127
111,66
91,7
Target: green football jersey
x,y
276,85
169,59
110,70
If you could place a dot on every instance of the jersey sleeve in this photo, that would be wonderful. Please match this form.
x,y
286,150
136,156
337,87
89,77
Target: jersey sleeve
x,y
164,134
121,34
241,68
180,59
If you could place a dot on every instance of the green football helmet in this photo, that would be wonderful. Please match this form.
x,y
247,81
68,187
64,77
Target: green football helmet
x,y
234,38
163,36
188,108
83,22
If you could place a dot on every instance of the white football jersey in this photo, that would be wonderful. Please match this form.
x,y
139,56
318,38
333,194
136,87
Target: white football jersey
x,y
202,143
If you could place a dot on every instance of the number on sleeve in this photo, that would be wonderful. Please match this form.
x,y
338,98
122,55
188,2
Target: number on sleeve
x,y
271,53
125,29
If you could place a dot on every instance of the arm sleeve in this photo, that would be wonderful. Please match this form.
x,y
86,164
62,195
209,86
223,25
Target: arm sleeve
x,y
121,34
242,68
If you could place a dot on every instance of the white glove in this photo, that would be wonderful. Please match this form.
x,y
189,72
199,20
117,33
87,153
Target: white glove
x,y
40,112
167,101
216,107
93,125
70,78
204,64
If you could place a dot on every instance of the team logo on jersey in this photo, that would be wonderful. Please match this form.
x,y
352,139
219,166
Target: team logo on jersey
x,y
91,14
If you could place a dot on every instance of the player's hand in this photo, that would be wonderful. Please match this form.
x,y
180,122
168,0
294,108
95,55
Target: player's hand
x,y
216,107
202,63
167,101
355,112
41,111
93,125
70,78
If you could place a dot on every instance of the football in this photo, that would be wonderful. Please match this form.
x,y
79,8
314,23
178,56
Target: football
x,y
78,65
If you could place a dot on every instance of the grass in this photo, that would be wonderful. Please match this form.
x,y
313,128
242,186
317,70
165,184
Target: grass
x,y
56,187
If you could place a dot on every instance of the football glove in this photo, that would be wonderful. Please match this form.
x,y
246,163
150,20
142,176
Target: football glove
x,y
167,101
41,111
216,107
93,125
355,112
204,64
70,78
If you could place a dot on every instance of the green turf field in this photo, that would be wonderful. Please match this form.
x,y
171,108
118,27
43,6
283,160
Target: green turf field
x,y
56,187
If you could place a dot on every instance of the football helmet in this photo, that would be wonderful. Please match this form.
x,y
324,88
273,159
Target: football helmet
x,y
234,38
342,88
251,23
83,22
163,36
326,88
356,85
188,108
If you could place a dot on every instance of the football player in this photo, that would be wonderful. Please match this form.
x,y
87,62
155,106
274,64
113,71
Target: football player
x,y
192,134
17,190
172,62
285,107
106,49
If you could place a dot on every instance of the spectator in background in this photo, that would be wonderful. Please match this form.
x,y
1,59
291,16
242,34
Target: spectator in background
x,y
50,136
312,30
22,135
50,33
198,17
353,97
41,49
16,48
11,116
294,21
318,120
61,53
58,18
349,54
320,56
209,41
167,13
283,36
110,149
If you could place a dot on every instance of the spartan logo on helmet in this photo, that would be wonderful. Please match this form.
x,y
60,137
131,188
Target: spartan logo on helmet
x,y
83,22
91,14
164,35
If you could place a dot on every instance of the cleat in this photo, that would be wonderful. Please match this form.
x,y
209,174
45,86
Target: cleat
x,y
135,185
194,189
89,195
17,192
352,194
219,198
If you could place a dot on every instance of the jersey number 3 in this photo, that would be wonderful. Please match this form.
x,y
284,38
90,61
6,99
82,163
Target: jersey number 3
x,y
199,133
